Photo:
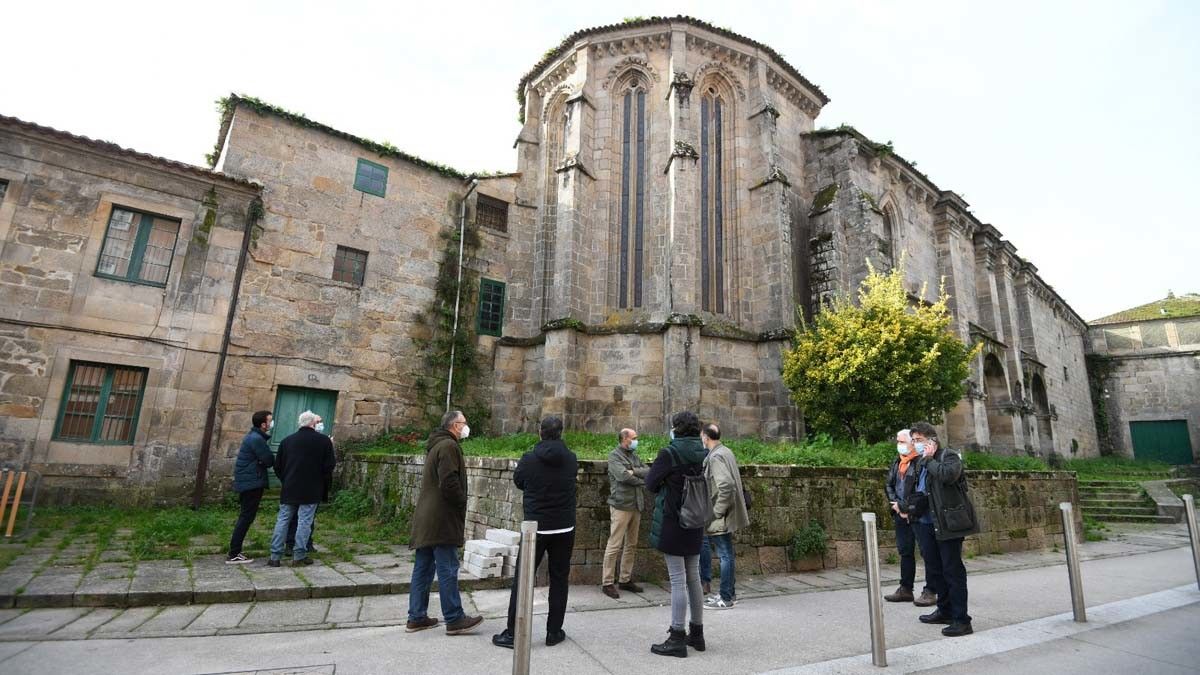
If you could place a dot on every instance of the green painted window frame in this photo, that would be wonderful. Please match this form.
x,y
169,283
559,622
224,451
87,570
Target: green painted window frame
x,y
364,180
346,262
95,436
144,224
484,305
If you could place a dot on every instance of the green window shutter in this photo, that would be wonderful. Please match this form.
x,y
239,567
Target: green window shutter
x,y
371,178
101,404
490,318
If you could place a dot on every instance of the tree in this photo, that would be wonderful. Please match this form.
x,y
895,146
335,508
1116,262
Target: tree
x,y
868,369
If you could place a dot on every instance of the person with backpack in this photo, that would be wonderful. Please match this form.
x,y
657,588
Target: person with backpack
x,y
681,512
729,516
940,527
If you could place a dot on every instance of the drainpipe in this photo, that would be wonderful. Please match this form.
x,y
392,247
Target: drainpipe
x,y
462,227
254,213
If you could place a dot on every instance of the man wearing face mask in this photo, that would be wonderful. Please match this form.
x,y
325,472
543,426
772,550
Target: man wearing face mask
x,y
940,529
626,499
901,484
305,467
439,529
250,480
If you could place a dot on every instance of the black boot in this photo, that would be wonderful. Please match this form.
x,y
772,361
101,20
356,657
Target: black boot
x,y
676,645
696,636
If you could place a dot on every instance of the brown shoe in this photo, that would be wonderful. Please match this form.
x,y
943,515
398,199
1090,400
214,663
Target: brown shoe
x,y
902,594
414,626
610,591
463,625
707,589
630,586
928,599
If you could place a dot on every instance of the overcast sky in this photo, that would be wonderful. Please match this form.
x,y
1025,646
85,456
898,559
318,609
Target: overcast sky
x,y
1070,126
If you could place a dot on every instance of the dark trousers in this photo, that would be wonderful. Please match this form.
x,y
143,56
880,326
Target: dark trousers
x,y
249,501
290,542
906,541
558,547
944,569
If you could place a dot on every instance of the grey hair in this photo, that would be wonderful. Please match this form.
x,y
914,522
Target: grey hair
x,y
307,418
624,433
450,418
905,433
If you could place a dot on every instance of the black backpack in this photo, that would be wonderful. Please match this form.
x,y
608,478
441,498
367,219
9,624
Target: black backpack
x,y
695,506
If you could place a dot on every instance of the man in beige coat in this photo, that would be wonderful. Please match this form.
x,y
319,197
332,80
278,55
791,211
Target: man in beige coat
x,y
626,497
729,507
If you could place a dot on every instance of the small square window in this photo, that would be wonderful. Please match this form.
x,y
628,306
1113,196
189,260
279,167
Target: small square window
x,y
491,307
138,247
371,178
100,404
350,265
492,212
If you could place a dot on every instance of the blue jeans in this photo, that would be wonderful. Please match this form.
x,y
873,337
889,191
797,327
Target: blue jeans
x,y
724,544
443,560
304,513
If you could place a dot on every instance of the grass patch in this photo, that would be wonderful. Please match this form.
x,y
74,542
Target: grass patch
x,y
1093,530
1119,468
819,451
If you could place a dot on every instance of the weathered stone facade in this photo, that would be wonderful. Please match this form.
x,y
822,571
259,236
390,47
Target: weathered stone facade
x,y
1017,511
1147,371
673,211
58,309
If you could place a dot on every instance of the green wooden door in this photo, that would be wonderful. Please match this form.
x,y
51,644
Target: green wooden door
x,y
289,403
1163,440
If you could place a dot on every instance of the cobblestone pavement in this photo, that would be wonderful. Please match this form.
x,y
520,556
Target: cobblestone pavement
x,y
290,606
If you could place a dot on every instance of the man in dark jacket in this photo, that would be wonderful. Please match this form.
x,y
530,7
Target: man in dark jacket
x,y
901,484
439,528
547,477
940,529
250,480
305,466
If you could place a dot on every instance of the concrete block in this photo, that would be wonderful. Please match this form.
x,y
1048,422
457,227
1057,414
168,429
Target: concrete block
x,y
507,537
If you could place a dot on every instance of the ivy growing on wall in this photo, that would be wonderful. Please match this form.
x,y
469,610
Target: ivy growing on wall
x,y
1099,369
438,338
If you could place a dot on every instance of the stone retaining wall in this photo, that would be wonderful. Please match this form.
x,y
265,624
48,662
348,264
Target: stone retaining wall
x,y
1018,510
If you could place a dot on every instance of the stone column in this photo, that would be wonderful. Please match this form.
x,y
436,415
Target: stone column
x,y
683,179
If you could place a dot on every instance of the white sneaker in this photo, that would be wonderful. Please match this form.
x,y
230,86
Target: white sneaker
x,y
238,559
716,602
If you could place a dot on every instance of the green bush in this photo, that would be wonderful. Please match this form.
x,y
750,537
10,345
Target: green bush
x,y
351,503
809,540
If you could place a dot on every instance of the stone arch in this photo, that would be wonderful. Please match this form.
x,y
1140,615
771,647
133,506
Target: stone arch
x,y
999,404
720,72
1041,407
630,63
892,234
629,150
717,235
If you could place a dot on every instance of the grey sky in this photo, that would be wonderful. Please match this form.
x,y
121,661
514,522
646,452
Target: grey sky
x,y
1070,126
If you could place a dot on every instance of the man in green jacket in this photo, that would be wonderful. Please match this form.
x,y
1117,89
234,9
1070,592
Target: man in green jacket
x,y
438,529
729,509
626,498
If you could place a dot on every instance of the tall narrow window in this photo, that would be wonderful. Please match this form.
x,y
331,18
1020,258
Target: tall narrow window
x,y
557,121
887,244
101,403
138,247
713,201
633,195
491,307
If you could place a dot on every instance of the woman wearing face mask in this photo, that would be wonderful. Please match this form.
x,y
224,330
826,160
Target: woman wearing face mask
x,y
900,486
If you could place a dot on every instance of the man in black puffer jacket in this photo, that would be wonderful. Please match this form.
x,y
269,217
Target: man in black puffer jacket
x,y
547,476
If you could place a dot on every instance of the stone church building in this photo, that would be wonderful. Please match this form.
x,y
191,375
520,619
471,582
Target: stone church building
x,y
673,211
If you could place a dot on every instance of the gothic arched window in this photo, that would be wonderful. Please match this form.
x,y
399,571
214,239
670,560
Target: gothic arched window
x,y
555,134
715,132
631,223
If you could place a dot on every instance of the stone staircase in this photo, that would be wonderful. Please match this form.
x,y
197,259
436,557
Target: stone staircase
x,y
1118,501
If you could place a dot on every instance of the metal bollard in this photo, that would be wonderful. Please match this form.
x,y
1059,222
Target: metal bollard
x,y
524,581
1068,520
1189,514
874,597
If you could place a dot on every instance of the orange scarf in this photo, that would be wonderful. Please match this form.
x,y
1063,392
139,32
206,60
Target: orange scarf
x,y
905,460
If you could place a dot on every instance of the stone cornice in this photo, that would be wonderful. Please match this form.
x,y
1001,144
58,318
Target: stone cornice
x,y
795,95
632,43
558,74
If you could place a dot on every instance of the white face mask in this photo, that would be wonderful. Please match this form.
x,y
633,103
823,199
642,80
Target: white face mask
x,y
271,425
902,448
672,434
920,445
320,426
633,444
466,431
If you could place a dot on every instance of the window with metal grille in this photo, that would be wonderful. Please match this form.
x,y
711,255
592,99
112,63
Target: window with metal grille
x,y
100,404
491,307
138,247
492,212
371,178
350,265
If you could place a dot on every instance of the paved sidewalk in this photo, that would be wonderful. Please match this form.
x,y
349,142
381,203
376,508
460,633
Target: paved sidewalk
x,y
317,610
1135,600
